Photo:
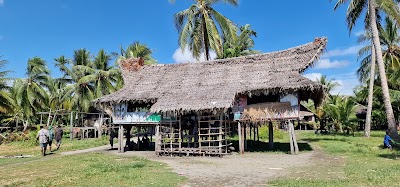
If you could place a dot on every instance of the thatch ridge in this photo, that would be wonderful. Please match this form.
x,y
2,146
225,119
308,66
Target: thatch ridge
x,y
215,84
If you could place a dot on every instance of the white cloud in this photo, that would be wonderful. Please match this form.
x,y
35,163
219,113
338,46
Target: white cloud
x,y
313,76
327,63
353,50
1,2
186,56
347,81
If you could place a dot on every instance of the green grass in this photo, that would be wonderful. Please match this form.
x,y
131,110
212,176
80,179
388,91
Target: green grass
x,y
26,148
93,169
366,163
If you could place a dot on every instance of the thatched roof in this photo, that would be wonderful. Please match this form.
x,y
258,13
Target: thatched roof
x,y
215,84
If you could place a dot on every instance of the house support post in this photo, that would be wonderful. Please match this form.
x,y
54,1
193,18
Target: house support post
x,y
71,133
120,137
245,131
100,130
220,144
270,135
240,134
157,140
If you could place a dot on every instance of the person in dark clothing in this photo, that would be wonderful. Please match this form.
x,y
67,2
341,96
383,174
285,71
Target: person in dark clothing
x,y
58,136
112,135
388,141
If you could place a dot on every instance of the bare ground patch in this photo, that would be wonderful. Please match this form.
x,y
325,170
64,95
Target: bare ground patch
x,y
250,169
323,166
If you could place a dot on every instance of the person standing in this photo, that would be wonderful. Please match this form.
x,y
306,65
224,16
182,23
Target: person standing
x,y
51,136
43,136
112,135
58,135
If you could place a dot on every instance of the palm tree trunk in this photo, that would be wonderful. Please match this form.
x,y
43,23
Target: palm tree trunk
x,y
205,38
382,73
367,129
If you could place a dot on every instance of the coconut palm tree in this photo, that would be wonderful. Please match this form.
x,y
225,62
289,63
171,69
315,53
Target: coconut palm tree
x,y
30,92
389,40
101,75
355,9
329,84
138,50
241,45
80,94
342,110
5,99
197,27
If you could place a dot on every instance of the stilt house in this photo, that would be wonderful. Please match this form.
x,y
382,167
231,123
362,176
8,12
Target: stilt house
x,y
195,106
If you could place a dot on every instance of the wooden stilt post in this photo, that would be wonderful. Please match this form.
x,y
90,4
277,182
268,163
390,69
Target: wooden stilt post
x,y
157,140
41,119
258,134
180,134
100,130
71,134
270,135
48,119
220,135
254,132
245,136
291,140
120,139
240,134
296,147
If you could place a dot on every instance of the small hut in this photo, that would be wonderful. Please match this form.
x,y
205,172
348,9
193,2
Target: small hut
x,y
193,105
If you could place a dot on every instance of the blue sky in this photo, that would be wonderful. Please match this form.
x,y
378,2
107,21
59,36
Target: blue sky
x,y
51,28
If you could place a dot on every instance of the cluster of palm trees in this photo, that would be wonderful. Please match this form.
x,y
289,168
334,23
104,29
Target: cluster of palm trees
x,y
84,78
374,9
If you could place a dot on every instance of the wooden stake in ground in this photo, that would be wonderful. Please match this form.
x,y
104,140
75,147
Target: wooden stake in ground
x,y
296,147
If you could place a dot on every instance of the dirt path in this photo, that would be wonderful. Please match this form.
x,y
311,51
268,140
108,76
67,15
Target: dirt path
x,y
251,169
101,148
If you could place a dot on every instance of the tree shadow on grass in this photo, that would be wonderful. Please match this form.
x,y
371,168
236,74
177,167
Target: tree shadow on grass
x,y
322,139
259,146
392,156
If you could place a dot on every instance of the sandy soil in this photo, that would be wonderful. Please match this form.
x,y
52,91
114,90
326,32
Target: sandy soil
x,y
250,169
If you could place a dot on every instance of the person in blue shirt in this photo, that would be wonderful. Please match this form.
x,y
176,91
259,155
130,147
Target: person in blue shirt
x,y
388,141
